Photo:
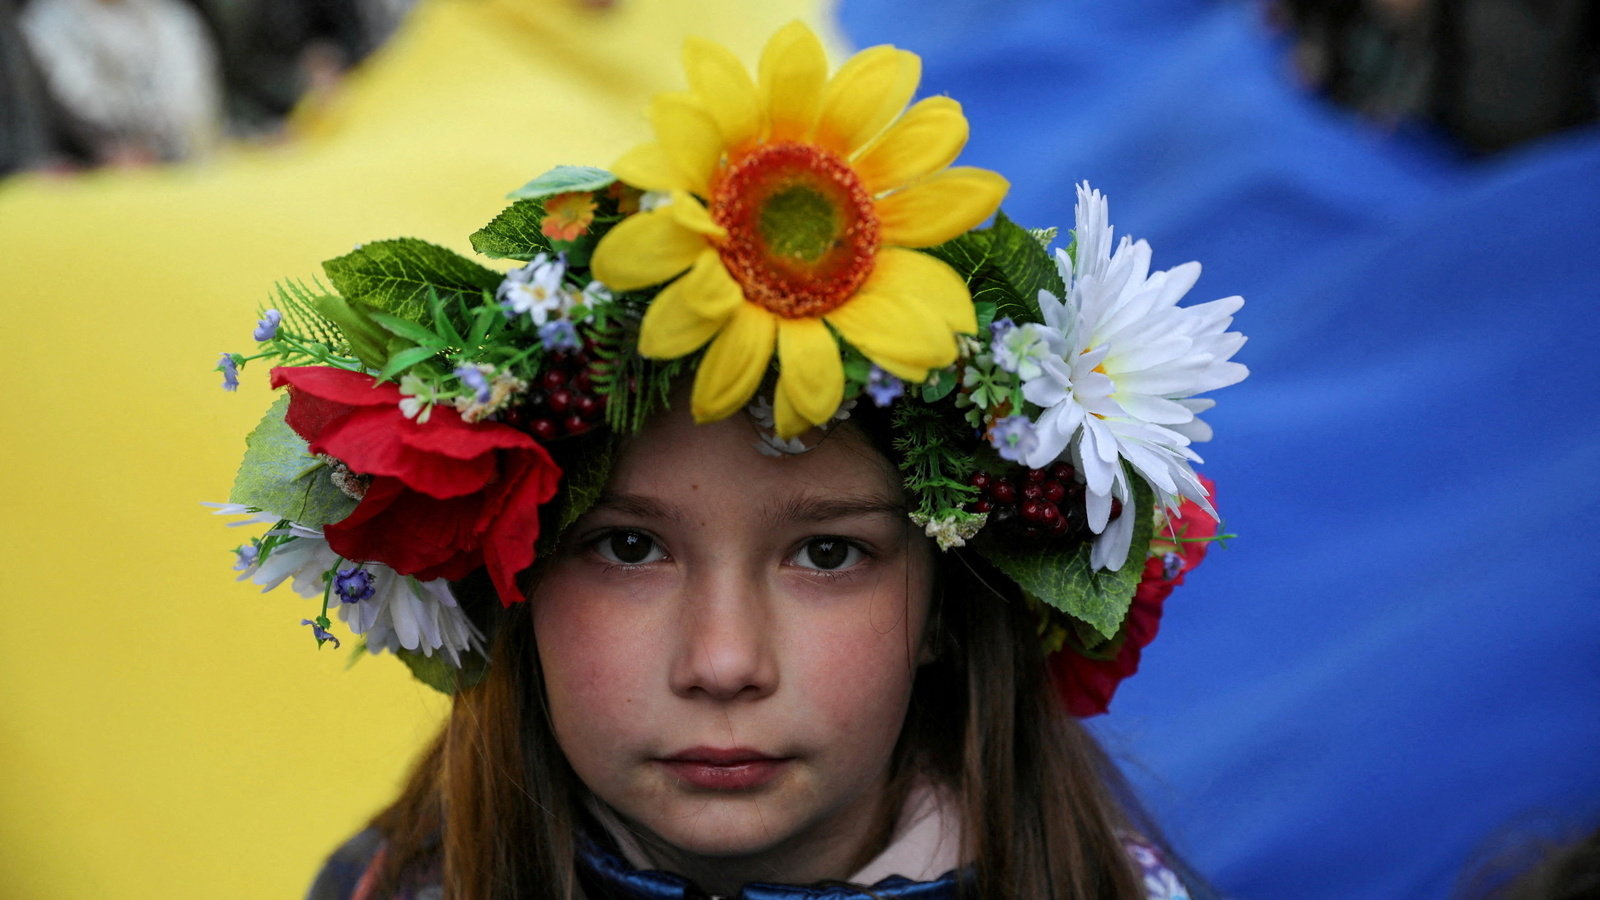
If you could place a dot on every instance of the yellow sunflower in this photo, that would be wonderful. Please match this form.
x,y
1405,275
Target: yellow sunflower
x,y
795,201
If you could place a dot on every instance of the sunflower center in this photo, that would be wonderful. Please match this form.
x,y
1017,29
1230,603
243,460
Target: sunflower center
x,y
802,231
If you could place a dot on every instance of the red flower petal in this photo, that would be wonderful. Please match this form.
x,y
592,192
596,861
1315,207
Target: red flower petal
x,y
512,524
405,530
377,442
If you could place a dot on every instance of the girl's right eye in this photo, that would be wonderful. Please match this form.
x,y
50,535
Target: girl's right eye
x,y
629,548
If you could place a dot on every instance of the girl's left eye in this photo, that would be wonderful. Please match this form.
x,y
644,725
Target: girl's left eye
x,y
828,554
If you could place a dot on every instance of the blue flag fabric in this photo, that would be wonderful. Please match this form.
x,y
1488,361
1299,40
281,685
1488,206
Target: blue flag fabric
x,y
1398,661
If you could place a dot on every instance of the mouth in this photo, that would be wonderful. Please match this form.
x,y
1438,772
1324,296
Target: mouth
x,y
724,769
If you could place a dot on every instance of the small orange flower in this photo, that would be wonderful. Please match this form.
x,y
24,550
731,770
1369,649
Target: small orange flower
x,y
566,216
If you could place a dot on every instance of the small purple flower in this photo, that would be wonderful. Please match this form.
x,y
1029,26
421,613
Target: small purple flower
x,y
559,334
999,327
267,328
353,585
883,387
472,378
247,557
229,367
1171,566
1014,438
320,633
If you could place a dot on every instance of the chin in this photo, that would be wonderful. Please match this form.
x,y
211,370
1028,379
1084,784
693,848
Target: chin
x,y
724,826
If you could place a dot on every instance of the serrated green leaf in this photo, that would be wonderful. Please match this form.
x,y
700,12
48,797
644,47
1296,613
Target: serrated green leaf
x,y
395,276
1004,267
563,179
436,672
1062,578
514,234
280,475
587,471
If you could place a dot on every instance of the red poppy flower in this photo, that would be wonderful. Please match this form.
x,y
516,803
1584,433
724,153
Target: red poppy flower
x,y
1087,685
446,497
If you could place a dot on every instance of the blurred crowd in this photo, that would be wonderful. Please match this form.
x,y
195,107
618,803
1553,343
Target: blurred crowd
x,y
86,83
1491,73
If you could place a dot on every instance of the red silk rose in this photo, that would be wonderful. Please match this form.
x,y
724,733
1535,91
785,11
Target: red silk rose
x,y
1087,685
446,497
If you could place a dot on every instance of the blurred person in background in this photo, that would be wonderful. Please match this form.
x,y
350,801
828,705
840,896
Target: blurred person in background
x,y
1492,73
86,83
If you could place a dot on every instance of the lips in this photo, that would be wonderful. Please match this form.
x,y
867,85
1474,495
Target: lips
x,y
724,769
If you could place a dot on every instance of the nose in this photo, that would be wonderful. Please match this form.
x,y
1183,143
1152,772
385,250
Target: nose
x,y
726,648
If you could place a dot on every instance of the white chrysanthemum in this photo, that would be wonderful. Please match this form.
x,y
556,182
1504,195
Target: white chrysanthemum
x,y
1126,389
415,615
401,612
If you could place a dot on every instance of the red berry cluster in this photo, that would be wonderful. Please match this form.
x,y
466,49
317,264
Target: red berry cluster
x,y
1034,502
562,402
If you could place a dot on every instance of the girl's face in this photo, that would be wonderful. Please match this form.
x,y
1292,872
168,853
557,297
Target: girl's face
x,y
728,645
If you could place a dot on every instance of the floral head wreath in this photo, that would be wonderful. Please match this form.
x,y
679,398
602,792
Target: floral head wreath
x,y
1043,405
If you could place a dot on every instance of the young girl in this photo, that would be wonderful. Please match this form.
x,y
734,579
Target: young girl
x,y
822,631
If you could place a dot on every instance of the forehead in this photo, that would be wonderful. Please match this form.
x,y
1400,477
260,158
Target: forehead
x,y
672,454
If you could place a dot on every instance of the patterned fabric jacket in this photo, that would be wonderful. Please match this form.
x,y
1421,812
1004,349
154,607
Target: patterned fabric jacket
x,y
350,874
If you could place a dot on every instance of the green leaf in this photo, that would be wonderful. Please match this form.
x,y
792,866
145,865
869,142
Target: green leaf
x,y
587,470
1062,578
436,672
281,476
940,384
405,359
563,179
1004,265
514,234
411,331
368,341
396,277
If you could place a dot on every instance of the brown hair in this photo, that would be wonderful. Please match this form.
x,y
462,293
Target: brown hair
x,y
1043,810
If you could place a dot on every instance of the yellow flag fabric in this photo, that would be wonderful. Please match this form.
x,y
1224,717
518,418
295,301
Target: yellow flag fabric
x,y
165,732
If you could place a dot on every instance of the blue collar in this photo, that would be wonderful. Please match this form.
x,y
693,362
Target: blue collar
x,y
605,875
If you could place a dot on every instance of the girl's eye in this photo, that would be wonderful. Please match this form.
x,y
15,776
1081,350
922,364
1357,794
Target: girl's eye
x,y
629,548
828,554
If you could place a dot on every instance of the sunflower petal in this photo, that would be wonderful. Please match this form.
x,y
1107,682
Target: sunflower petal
x,y
810,372
896,333
864,96
794,68
733,367
646,167
689,137
690,310
724,87
926,281
786,420
693,216
644,249
926,139
940,207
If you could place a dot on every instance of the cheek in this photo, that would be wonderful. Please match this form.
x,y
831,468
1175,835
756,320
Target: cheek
x,y
597,664
860,670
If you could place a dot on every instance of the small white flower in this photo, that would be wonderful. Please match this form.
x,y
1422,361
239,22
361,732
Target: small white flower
x,y
951,531
1024,349
417,398
653,200
1124,390
537,290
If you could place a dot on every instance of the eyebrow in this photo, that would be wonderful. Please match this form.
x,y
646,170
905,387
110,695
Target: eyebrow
x,y
798,510
635,505
802,510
